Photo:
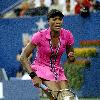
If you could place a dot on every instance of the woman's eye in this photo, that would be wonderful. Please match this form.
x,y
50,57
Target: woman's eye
x,y
60,19
54,19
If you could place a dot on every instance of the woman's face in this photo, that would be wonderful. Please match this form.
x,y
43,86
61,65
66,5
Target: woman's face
x,y
55,23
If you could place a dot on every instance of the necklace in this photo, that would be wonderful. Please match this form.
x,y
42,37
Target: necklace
x,y
53,58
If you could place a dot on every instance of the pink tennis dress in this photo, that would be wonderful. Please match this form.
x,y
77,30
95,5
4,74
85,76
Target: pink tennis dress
x,y
44,65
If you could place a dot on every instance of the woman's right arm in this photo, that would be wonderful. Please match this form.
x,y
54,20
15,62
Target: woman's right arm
x,y
26,64
24,56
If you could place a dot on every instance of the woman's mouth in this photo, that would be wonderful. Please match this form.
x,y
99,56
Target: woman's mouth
x,y
57,27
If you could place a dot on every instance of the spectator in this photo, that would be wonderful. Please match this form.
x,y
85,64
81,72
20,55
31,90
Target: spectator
x,y
97,5
17,11
32,11
55,5
31,4
92,2
24,8
83,4
67,8
88,4
78,6
43,9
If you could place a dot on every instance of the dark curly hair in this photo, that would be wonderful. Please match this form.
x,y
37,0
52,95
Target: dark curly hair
x,y
53,13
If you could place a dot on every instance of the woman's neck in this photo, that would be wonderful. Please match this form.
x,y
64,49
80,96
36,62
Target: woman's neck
x,y
54,34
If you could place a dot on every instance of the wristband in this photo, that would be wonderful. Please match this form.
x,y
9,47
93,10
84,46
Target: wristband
x,y
32,75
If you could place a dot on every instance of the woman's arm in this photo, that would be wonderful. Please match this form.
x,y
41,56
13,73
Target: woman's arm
x,y
25,63
24,56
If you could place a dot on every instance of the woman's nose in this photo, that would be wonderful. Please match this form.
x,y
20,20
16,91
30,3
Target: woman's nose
x,y
58,21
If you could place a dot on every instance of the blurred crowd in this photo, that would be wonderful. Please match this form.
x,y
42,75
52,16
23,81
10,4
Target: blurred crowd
x,y
69,7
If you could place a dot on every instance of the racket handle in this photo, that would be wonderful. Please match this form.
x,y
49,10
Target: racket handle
x,y
44,87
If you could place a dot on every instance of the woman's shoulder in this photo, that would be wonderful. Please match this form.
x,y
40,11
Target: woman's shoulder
x,y
40,32
43,30
65,31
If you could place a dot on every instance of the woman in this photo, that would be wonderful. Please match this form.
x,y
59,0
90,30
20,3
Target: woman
x,y
50,44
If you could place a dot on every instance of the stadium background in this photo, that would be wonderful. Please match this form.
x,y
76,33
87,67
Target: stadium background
x,y
11,33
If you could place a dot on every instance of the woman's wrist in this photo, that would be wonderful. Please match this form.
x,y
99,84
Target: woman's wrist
x,y
71,59
32,75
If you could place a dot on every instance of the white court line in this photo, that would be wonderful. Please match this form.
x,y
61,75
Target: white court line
x,y
1,90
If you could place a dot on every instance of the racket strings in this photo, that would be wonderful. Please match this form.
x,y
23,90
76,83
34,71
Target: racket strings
x,y
63,94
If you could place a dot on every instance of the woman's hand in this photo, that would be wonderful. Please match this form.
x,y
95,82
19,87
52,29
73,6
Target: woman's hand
x,y
71,57
36,81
